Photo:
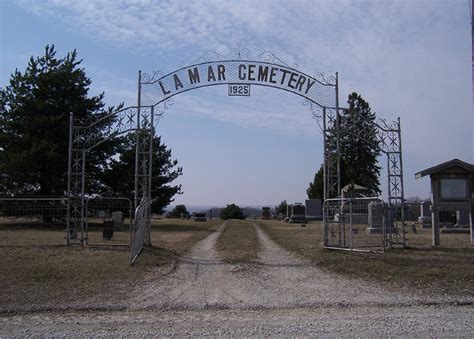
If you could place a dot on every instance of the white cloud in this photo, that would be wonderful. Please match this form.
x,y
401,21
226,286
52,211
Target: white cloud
x,y
407,58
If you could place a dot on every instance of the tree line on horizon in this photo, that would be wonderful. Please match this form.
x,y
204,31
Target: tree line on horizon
x,y
34,136
231,211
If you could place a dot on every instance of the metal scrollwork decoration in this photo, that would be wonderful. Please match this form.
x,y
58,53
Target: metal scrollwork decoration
x,y
161,108
241,53
147,78
271,57
388,135
207,57
392,125
330,80
316,112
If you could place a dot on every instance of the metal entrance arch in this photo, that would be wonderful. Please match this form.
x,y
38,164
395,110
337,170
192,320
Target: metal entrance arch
x,y
239,71
84,138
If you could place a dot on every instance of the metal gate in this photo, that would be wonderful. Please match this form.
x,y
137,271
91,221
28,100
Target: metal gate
x,y
355,224
140,230
108,221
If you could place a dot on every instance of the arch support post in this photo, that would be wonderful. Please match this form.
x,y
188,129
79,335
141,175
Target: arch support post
x,y
143,161
75,187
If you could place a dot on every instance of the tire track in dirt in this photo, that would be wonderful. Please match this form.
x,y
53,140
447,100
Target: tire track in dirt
x,y
276,280
202,281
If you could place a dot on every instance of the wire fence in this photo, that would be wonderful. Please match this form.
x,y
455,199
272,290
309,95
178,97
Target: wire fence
x,y
42,221
370,224
109,221
32,221
454,222
355,224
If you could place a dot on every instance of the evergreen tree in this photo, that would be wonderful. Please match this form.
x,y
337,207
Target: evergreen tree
x,y
34,125
358,145
232,211
177,211
281,209
316,187
119,176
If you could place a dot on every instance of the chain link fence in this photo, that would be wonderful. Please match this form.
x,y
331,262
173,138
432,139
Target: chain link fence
x,y
32,221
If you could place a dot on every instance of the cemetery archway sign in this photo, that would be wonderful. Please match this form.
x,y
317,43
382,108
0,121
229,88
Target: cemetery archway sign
x,y
239,71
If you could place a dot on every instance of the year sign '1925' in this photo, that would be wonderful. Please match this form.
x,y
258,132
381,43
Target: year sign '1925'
x,y
239,90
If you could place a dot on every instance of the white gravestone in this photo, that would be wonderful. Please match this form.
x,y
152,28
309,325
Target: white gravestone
x,y
117,218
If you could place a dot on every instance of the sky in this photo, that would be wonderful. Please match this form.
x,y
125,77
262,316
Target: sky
x,y
408,59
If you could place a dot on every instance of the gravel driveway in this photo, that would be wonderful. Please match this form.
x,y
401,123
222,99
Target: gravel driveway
x,y
276,294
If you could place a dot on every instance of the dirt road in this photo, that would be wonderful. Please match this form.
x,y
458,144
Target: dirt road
x,y
275,294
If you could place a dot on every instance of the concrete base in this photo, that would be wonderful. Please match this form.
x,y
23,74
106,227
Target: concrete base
x,y
373,230
456,230
377,230
462,226
446,225
314,217
424,220
298,220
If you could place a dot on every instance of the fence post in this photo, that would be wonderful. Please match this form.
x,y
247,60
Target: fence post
x,y
471,222
350,225
325,223
69,174
384,225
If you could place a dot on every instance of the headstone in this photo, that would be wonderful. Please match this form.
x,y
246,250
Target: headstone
x,y
298,214
462,218
117,219
108,230
314,209
199,216
102,214
425,214
375,217
288,212
266,213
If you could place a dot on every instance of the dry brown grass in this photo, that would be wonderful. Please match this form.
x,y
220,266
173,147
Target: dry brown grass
x,y
31,235
57,276
445,270
178,235
238,242
423,239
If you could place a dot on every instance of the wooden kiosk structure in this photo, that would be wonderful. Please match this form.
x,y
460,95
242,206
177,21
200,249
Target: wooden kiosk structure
x,y
452,189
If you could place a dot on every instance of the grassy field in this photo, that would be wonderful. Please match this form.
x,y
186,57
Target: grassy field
x,y
444,270
238,242
38,276
55,276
